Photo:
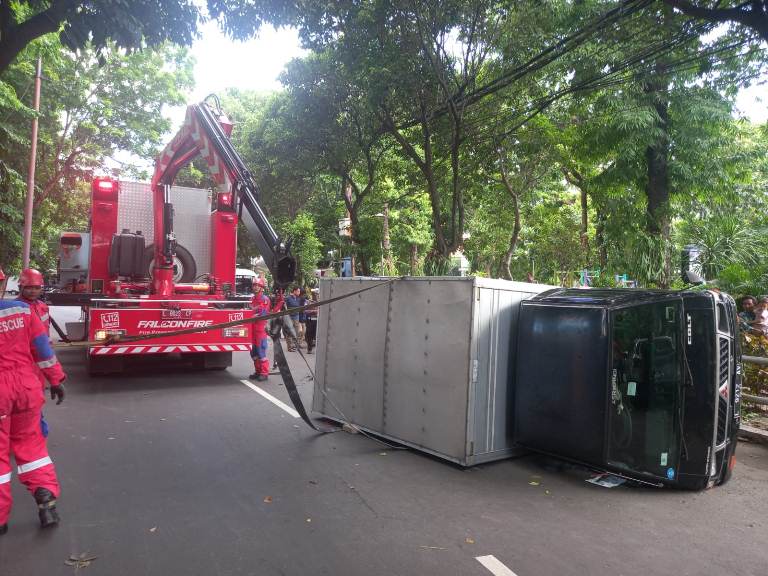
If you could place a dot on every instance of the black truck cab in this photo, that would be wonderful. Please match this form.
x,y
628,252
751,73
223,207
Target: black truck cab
x,y
644,383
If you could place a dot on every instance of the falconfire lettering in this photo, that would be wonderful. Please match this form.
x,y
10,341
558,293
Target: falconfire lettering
x,y
174,323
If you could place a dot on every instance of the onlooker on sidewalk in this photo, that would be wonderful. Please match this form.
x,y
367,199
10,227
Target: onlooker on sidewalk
x,y
310,318
747,314
760,323
283,323
295,300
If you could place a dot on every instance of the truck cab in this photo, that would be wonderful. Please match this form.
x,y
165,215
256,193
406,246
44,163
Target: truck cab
x,y
642,383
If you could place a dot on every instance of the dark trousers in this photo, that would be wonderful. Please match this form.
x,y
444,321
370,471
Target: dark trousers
x,y
311,333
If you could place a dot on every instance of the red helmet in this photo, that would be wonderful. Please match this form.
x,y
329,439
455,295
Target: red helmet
x,y
30,277
259,282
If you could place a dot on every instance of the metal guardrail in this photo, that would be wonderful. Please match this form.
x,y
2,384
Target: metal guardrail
x,y
762,400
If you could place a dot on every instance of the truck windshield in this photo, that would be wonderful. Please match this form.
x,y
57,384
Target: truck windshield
x,y
645,389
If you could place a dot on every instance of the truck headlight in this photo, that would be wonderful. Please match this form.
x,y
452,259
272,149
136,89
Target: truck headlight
x,y
235,332
104,334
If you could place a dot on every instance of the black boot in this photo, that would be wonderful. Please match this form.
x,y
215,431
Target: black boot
x,y
3,529
253,376
46,506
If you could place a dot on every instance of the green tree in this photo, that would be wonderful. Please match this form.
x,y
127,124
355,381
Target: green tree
x,y
96,24
88,113
306,247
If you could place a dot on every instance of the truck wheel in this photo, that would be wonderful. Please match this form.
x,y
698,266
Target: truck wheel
x,y
184,267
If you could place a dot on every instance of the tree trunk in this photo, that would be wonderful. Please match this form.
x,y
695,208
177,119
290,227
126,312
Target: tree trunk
x,y
354,220
602,249
584,232
657,187
389,268
414,259
507,261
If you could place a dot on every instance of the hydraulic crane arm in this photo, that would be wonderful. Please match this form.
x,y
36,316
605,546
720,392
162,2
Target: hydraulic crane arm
x,y
206,133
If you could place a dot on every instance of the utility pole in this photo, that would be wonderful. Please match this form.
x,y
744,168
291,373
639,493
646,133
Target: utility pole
x,y
31,173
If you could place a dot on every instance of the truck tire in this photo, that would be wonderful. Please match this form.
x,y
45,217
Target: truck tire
x,y
184,266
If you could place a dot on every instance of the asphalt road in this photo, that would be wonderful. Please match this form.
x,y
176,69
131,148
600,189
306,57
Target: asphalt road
x,y
171,471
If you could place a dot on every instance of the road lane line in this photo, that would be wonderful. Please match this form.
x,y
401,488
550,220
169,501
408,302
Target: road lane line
x,y
272,399
494,566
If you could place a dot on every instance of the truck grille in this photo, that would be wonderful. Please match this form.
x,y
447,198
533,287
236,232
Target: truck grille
x,y
724,360
724,391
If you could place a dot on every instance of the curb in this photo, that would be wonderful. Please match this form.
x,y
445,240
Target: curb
x,y
753,434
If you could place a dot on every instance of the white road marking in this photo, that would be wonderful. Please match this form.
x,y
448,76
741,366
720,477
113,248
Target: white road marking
x,y
272,399
494,565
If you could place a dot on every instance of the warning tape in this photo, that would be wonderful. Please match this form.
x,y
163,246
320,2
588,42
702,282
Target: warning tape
x,y
120,340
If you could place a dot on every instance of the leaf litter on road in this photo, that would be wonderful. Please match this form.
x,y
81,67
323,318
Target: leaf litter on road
x,y
81,561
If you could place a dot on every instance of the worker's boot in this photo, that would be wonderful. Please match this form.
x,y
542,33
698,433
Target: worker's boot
x,y
262,370
3,529
46,507
256,369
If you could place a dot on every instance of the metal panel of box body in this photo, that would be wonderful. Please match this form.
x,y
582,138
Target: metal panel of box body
x,y
562,377
427,369
423,361
351,337
191,218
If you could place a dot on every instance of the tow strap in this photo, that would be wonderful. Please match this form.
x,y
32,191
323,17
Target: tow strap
x,y
279,355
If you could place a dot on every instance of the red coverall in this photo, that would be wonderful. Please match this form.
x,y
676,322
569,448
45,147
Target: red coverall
x,y
39,308
25,349
261,307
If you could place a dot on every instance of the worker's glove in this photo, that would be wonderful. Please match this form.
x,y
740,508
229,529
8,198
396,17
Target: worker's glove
x,y
57,393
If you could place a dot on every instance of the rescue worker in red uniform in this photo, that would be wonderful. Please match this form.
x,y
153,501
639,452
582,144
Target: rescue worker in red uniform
x,y
261,306
25,349
30,288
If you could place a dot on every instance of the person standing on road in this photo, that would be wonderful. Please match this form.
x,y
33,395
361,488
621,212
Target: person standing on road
x,y
310,316
25,349
295,300
30,287
261,307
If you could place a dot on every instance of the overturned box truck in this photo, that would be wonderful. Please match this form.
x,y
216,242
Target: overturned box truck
x,y
645,384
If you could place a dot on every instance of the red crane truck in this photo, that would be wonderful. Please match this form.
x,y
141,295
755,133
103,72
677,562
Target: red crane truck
x,y
134,275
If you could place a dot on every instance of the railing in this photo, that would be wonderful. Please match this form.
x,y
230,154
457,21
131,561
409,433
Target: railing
x,y
762,400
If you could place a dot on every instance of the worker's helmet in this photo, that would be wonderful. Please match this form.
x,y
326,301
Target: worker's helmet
x,y
259,283
2,275
30,277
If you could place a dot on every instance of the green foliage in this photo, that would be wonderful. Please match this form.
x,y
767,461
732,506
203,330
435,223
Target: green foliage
x,y
755,380
88,113
305,246
96,26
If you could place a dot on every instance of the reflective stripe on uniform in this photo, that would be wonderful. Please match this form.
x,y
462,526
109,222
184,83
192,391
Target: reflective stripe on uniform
x,y
35,464
5,478
44,317
14,310
47,363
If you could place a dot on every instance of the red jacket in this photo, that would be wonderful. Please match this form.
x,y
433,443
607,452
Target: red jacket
x,y
41,309
261,307
25,345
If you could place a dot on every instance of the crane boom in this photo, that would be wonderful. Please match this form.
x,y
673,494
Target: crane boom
x,y
205,132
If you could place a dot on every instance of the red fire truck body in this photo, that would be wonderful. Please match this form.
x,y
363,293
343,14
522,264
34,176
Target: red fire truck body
x,y
159,258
